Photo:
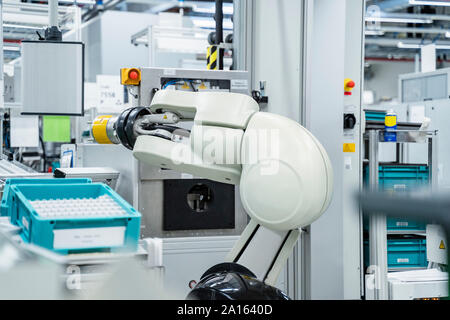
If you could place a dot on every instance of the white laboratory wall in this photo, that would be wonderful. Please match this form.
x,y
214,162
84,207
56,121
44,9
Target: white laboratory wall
x,y
277,55
117,50
384,82
108,45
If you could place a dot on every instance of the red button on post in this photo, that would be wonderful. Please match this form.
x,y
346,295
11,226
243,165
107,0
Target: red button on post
x,y
133,75
351,84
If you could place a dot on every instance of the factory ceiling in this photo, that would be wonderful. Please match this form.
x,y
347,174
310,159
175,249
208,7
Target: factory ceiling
x,y
396,29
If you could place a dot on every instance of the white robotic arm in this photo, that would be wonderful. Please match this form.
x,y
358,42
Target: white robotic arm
x,y
283,172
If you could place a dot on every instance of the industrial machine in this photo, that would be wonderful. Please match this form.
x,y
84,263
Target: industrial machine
x,y
202,236
283,172
161,194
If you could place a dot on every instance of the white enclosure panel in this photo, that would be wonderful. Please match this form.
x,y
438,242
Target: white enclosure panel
x,y
186,259
52,77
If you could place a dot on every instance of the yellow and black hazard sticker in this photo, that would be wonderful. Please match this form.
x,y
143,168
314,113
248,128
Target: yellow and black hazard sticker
x,y
212,58
349,147
442,245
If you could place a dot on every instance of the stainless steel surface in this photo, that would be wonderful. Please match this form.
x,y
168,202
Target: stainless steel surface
x,y
412,136
13,169
105,175
111,132
116,157
150,204
7,228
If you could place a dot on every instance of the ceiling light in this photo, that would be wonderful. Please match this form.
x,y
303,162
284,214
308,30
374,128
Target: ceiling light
x,y
11,48
211,24
373,33
212,10
398,20
89,2
403,45
20,26
430,2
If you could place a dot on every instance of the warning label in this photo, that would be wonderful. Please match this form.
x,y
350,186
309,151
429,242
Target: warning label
x,y
349,147
442,245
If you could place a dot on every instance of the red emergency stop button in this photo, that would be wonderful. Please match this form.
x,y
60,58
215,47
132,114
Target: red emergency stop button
x,y
130,76
133,75
349,84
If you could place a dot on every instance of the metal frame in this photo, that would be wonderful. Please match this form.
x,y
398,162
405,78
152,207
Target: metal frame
x,y
377,223
149,36
69,19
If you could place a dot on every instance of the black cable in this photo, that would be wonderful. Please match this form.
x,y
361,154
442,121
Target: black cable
x,y
219,21
44,156
219,31
192,86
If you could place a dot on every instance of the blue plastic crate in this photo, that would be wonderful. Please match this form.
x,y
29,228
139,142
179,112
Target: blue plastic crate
x,y
407,253
402,253
67,232
5,209
404,224
375,115
401,178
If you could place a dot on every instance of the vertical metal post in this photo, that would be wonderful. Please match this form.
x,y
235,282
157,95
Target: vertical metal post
x,y
304,266
1,133
151,48
240,34
417,63
76,12
53,13
243,38
433,161
377,227
400,157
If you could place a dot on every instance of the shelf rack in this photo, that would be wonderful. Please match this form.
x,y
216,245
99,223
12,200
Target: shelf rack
x,y
377,223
